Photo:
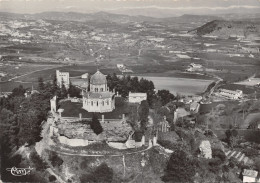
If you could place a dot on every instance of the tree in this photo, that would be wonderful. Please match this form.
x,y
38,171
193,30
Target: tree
x,y
19,91
40,84
165,96
29,126
55,159
232,137
102,173
95,125
52,178
74,91
143,112
63,91
180,168
39,164
218,153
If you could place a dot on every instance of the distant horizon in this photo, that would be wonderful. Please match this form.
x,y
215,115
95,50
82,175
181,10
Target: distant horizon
x,y
152,8
115,13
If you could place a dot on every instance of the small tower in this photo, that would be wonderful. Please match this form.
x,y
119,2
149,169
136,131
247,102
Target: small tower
x,y
53,102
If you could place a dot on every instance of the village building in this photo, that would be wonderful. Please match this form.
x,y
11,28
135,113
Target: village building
x,y
28,93
195,65
99,98
250,176
120,66
136,97
194,107
84,76
163,125
230,94
63,78
205,149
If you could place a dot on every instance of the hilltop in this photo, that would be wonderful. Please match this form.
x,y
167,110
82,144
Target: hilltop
x,y
225,29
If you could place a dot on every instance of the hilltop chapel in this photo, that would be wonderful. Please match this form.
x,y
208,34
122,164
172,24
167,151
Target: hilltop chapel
x,y
99,98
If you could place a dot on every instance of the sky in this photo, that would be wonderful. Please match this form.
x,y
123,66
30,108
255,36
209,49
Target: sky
x,y
115,6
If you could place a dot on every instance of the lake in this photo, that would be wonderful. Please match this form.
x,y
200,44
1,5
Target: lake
x,y
183,86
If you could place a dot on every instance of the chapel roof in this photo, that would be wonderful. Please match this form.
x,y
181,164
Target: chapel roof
x,y
98,79
93,95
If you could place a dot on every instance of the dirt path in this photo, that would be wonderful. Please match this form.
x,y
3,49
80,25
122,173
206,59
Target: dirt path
x,y
59,179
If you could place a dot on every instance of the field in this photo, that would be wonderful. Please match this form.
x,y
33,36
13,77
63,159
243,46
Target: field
x,y
17,70
251,82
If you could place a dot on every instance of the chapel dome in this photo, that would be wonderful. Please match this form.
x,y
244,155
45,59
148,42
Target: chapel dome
x,y
98,79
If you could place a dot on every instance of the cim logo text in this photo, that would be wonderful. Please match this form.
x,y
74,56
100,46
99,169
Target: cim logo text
x,y
19,171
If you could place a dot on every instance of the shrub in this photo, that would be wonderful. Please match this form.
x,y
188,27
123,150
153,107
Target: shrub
x,y
167,144
257,164
55,159
180,168
38,162
251,152
102,174
218,153
233,162
95,125
52,178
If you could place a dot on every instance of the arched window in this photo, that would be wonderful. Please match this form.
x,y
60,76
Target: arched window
x,y
91,103
103,103
97,103
107,102
101,89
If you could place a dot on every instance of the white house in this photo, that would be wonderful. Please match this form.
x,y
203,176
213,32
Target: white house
x,y
84,76
120,66
250,176
195,65
231,94
137,97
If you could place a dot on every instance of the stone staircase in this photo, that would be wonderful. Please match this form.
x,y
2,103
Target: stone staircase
x,y
237,155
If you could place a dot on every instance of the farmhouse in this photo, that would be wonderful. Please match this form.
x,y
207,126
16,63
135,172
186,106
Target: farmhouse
x,y
137,97
231,94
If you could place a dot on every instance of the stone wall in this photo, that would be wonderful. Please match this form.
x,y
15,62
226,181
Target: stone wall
x,y
73,142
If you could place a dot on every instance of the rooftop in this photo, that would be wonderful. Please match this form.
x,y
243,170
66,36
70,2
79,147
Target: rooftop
x,y
250,173
137,94
93,95
98,79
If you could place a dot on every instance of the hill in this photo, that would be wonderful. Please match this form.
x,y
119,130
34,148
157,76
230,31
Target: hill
x,y
225,29
187,18
80,17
